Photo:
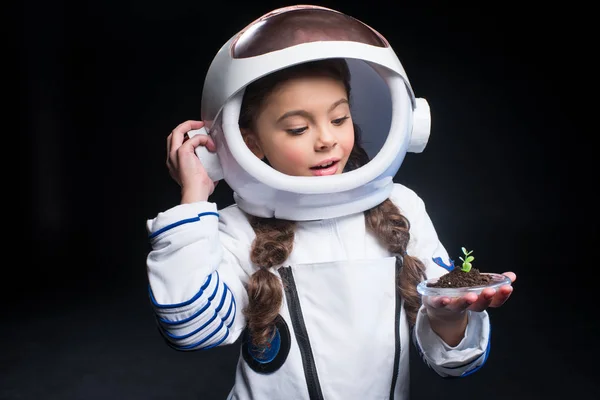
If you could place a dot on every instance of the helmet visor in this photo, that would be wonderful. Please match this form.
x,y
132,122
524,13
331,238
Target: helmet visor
x,y
290,26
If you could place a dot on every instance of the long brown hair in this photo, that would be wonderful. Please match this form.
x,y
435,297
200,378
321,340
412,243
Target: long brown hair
x,y
275,237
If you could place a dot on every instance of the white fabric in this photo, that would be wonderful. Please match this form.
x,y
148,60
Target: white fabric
x,y
346,286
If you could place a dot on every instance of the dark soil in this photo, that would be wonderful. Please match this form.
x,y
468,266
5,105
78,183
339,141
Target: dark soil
x,y
458,278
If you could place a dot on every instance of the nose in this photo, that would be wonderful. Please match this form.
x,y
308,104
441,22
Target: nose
x,y
326,139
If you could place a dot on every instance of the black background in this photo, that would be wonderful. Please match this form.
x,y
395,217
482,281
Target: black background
x,y
509,171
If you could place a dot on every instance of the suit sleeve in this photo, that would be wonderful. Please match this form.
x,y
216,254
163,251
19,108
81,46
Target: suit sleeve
x,y
197,267
472,352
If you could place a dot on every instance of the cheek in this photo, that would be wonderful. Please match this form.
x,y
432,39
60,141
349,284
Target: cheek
x,y
292,155
346,142
286,156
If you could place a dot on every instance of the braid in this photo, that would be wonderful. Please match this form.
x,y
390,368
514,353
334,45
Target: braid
x,y
272,246
393,231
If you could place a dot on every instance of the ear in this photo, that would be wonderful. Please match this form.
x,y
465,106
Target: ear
x,y
253,142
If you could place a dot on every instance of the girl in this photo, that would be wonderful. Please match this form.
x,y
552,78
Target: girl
x,y
324,308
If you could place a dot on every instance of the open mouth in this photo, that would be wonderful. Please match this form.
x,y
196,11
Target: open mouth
x,y
324,165
326,168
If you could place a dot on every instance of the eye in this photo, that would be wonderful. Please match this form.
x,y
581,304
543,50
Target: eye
x,y
296,131
339,121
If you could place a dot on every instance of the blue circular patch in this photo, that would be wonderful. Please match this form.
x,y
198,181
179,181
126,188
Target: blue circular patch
x,y
268,354
271,358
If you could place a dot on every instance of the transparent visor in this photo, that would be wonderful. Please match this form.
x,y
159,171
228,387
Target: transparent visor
x,y
295,25
370,98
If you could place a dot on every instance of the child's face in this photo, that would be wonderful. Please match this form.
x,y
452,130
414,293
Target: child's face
x,y
304,123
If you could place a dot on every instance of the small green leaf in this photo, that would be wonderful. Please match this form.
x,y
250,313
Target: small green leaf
x,y
467,266
470,258
464,251
462,259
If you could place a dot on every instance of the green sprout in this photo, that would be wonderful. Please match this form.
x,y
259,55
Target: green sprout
x,y
466,265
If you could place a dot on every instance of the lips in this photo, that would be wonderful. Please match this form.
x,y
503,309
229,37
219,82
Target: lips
x,y
325,167
325,163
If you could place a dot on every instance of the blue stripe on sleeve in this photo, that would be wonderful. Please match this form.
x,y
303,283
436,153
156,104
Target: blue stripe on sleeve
x,y
200,311
190,347
214,316
231,306
226,302
188,319
210,335
187,335
217,343
225,289
234,311
182,222
188,302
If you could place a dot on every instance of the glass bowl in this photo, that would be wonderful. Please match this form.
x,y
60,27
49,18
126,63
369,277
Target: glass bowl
x,y
497,281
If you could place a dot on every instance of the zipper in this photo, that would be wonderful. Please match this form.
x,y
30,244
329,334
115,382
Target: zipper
x,y
308,360
399,262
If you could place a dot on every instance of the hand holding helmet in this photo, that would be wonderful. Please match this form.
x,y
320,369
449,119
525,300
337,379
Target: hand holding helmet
x,y
185,167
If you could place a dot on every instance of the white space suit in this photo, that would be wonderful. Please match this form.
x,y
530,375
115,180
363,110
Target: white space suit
x,y
342,333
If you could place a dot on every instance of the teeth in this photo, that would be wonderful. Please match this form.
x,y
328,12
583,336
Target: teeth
x,y
326,165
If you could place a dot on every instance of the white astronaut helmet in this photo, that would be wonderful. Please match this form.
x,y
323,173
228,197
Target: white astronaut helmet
x,y
383,104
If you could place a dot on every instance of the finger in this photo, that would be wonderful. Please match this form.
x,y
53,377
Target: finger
x,y
169,137
503,294
437,301
483,300
171,161
187,126
511,275
210,144
198,140
453,304
176,138
460,304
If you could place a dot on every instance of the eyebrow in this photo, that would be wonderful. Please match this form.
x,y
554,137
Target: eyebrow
x,y
306,114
